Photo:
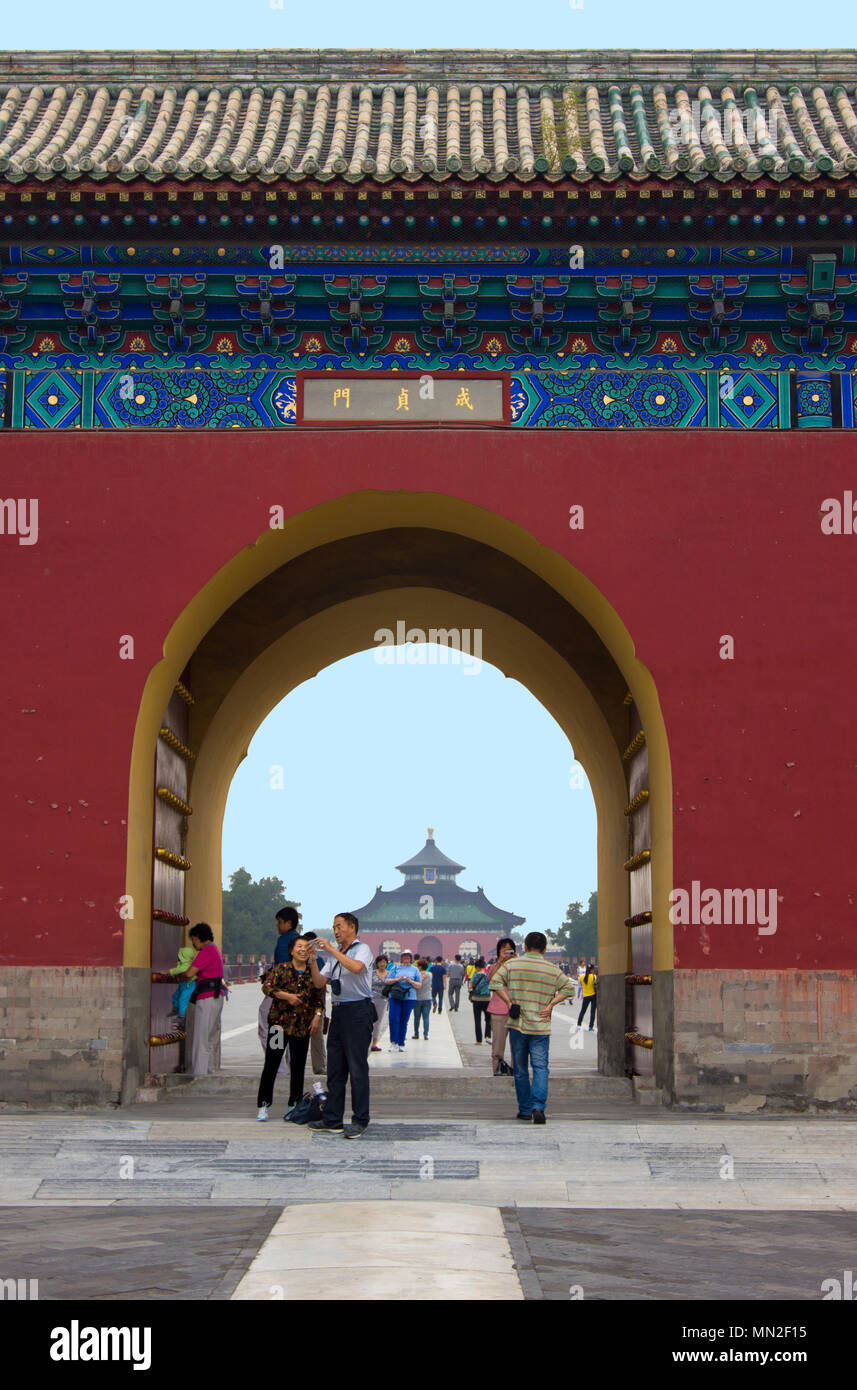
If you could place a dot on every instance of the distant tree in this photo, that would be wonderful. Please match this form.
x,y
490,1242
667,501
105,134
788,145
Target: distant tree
x,y
578,935
249,910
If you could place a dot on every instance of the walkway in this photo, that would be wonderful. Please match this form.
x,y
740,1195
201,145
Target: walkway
x,y
191,1197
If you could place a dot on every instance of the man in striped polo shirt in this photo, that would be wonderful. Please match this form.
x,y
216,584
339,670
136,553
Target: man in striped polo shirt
x,y
531,986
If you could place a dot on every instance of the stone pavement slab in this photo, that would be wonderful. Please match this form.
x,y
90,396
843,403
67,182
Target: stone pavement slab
x,y
679,1255
149,1252
383,1251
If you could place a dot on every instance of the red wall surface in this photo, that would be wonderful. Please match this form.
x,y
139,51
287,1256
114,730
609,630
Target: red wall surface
x,y
688,535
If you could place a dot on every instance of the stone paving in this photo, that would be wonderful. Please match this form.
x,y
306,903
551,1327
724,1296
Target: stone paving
x,y
150,1251
176,1157
699,1255
191,1197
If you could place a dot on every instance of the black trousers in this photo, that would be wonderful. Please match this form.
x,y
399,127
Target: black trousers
x,y
585,1005
348,1043
480,1011
298,1049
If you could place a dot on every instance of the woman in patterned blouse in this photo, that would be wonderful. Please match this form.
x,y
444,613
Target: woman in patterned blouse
x,y
297,1009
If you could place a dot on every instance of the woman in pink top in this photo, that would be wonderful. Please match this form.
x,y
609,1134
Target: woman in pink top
x,y
499,1011
207,999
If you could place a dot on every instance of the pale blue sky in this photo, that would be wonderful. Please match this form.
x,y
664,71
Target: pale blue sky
x,y
373,754
199,24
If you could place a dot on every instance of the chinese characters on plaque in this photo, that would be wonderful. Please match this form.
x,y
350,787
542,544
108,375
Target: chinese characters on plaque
x,y
399,399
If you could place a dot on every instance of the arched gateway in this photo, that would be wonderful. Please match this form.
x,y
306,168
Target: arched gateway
x,y
357,563
301,347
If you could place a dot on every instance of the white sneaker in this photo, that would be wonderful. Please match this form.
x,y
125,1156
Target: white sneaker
x,y
263,1113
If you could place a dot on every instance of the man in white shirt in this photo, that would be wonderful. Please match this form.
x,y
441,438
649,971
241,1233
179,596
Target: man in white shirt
x,y
348,975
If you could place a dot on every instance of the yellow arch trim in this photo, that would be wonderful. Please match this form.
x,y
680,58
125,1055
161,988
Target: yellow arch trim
x,y
356,514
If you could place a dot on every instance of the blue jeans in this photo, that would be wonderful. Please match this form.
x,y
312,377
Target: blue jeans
x,y
400,1012
530,1050
422,1009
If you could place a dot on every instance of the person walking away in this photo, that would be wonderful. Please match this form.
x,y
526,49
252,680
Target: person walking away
x,y
422,1003
316,1042
402,979
531,986
480,998
297,1009
498,1010
348,973
207,998
438,982
379,999
589,983
455,974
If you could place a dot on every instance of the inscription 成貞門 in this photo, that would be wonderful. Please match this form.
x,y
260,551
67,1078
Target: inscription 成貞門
x,y
398,399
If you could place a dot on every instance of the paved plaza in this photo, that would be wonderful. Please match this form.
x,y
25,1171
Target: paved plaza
x,y
610,1198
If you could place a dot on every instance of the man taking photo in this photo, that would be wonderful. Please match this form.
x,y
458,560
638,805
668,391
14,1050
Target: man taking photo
x,y
348,973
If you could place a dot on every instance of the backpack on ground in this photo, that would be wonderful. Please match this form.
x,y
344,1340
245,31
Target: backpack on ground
x,y
309,1107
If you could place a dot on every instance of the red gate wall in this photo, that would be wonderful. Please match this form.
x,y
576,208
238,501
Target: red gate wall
x,y
689,537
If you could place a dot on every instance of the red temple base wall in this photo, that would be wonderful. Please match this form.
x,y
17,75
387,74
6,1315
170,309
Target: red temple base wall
x,y
450,944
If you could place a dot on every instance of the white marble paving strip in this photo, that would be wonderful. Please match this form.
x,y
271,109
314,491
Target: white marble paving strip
x,y
377,1250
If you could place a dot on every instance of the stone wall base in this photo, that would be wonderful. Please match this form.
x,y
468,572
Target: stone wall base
x,y
72,1035
734,1040
612,1022
775,1040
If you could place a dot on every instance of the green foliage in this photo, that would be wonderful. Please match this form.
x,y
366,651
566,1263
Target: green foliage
x,y
249,910
578,935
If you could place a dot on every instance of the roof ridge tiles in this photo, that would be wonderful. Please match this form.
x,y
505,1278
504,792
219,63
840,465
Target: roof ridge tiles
x,y
474,122
511,67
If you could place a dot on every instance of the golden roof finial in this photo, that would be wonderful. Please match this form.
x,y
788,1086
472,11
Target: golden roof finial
x,y
431,832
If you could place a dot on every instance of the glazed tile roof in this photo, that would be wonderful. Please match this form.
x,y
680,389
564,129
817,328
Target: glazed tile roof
x,y
430,857
364,116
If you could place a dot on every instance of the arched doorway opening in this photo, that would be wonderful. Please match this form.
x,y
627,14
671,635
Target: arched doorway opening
x,y
430,946
318,590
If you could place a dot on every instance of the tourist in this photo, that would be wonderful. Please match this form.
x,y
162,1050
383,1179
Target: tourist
x,y
297,1010
456,974
349,975
207,999
379,999
422,1003
498,1010
316,1042
402,977
588,982
287,926
531,986
438,980
480,998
